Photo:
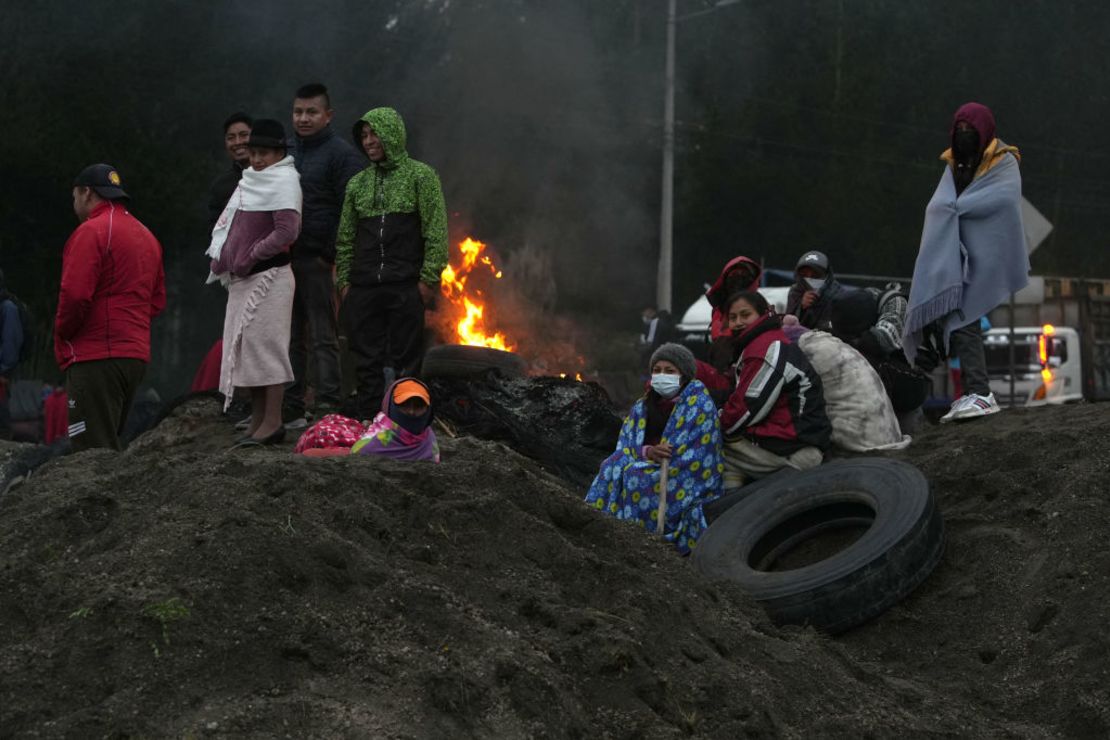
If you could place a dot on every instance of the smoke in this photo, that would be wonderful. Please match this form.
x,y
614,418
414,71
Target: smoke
x,y
514,107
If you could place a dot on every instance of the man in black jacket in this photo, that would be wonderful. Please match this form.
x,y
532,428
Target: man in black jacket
x,y
237,130
326,162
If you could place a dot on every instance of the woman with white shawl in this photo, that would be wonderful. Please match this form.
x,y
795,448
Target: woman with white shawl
x,y
250,256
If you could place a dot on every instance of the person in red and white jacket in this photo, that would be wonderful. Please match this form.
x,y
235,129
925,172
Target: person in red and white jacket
x,y
112,286
775,417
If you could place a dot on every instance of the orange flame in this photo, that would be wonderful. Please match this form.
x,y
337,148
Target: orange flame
x,y
470,329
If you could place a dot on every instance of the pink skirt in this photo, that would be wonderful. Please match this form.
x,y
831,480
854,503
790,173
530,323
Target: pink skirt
x,y
256,331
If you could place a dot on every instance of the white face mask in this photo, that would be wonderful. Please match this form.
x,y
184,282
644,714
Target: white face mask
x,y
815,283
666,385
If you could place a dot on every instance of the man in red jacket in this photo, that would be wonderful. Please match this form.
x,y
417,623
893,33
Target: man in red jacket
x,y
113,284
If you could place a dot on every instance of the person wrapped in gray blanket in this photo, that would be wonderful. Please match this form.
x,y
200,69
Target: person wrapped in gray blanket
x,y
972,254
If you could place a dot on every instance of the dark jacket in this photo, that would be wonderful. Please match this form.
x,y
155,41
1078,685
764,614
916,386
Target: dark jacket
x,y
819,315
394,223
779,402
219,192
326,164
11,334
112,287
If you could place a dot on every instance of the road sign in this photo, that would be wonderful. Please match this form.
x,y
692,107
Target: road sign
x,y
1037,227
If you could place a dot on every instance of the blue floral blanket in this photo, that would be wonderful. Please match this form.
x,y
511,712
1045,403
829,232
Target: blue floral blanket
x,y
627,486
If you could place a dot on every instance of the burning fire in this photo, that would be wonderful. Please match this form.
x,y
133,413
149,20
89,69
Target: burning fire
x,y
471,328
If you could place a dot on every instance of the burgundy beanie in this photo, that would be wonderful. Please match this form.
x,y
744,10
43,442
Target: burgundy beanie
x,y
980,118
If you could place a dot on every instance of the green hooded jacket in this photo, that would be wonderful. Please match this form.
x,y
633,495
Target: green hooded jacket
x,y
393,225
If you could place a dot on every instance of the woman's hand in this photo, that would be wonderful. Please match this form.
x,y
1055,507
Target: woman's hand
x,y
660,452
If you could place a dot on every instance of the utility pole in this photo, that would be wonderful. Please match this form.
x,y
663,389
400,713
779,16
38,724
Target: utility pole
x,y
666,211
666,214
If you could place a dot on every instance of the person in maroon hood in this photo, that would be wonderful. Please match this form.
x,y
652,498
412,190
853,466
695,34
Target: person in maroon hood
x,y
112,286
739,274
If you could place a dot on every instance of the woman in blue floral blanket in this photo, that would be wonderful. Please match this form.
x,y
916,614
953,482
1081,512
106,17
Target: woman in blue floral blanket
x,y
676,421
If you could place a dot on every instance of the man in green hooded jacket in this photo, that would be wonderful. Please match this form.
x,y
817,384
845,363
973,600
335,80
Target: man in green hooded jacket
x,y
390,251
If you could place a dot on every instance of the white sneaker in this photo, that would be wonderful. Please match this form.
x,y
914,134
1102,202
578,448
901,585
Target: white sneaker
x,y
971,406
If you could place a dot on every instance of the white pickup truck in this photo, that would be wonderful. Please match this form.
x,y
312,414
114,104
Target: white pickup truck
x,y
1047,367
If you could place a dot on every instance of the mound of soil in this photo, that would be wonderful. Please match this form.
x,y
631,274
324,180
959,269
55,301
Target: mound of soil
x,y
1014,617
179,589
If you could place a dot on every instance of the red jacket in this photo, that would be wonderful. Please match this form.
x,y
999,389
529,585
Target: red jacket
x,y
113,284
717,295
778,403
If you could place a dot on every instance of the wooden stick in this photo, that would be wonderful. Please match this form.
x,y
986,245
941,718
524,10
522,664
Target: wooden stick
x,y
661,514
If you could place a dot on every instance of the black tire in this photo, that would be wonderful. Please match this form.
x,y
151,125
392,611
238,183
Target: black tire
x,y
903,542
732,496
462,361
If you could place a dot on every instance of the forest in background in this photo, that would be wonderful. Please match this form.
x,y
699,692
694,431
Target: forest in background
x,y
801,124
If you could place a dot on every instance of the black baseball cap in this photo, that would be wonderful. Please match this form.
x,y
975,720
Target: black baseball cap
x,y
104,179
813,259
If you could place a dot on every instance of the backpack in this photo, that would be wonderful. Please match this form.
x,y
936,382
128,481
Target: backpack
x,y
26,322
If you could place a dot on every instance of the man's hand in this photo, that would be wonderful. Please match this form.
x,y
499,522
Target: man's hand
x,y
427,293
660,452
809,298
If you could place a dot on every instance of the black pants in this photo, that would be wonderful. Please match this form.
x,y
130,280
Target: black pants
x,y
385,326
312,339
100,394
4,419
906,387
967,345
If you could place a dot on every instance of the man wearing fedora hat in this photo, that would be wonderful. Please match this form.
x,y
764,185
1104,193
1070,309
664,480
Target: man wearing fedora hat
x,y
112,286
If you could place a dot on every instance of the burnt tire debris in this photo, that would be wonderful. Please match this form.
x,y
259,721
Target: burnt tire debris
x,y
462,361
567,426
902,544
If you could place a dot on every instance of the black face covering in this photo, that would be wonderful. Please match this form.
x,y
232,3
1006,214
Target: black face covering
x,y
965,145
965,152
739,279
412,424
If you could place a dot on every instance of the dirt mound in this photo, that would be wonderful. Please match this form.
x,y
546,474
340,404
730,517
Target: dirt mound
x,y
1014,617
177,589
180,589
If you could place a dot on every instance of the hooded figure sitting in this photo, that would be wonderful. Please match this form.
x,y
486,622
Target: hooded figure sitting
x,y
871,321
675,423
813,292
739,274
402,430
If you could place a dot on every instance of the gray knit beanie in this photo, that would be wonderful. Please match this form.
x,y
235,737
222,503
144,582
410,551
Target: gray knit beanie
x,y
678,356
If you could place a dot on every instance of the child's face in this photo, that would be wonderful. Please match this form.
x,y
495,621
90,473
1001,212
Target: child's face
x,y
413,407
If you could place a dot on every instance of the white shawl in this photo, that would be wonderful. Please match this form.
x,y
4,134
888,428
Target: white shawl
x,y
276,188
